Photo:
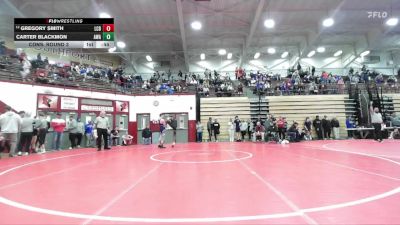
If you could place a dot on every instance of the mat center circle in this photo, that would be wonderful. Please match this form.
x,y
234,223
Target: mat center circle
x,y
198,156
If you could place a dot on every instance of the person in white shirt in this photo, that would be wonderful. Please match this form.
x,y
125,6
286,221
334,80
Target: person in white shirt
x,y
26,134
231,130
243,128
377,121
10,123
102,125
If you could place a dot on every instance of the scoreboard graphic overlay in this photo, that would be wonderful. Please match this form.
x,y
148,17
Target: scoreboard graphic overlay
x,y
64,32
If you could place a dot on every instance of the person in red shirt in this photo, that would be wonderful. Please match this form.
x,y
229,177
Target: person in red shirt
x,y
58,125
281,124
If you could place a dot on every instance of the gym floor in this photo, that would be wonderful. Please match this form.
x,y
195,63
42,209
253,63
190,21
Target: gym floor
x,y
318,182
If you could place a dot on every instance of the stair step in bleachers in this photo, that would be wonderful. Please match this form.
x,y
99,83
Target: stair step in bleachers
x,y
223,109
297,108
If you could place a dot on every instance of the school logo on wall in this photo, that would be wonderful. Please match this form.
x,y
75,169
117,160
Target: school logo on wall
x,y
47,101
122,106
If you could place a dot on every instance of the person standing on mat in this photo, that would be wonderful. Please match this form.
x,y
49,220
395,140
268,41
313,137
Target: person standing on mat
x,y
72,128
81,131
231,130
102,125
318,127
209,129
237,128
58,125
10,124
216,126
173,124
327,127
163,131
376,120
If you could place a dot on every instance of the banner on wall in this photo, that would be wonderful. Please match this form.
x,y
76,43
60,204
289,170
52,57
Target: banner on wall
x,y
97,108
47,101
122,106
69,103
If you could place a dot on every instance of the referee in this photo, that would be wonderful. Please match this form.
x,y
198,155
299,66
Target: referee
x,y
376,120
102,124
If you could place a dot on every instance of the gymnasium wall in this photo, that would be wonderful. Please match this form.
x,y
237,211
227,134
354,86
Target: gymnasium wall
x,y
24,97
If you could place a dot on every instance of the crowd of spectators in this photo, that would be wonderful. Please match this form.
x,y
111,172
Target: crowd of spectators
x,y
298,80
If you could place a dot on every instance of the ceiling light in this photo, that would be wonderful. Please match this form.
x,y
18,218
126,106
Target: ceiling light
x,y
321,49
111,50
310,54
222,52
328,22
284,55
104,15
338,53
269,23
365,53
257,55
121,44
196,25
229,56
392,21
148,58
202,56
271,51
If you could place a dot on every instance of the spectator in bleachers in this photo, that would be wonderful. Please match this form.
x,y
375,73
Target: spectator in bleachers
x,y
327,127
10,124
317,123
216,128
26,68
336,128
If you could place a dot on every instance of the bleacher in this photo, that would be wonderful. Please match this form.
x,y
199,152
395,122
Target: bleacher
x,y
297,108
223,109
394,100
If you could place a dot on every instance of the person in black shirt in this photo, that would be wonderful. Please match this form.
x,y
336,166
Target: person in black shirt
x,y
216,128
294,133
335,127
237,128
327,127
173,124
308,124
210,129
146,135
318,127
